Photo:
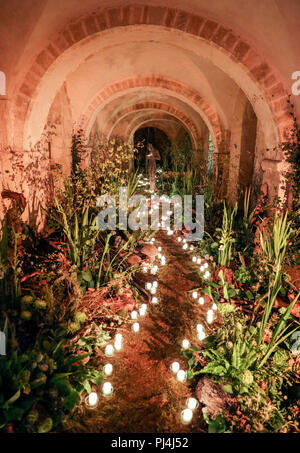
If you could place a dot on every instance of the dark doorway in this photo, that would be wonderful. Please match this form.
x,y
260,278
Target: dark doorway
x,y
157,138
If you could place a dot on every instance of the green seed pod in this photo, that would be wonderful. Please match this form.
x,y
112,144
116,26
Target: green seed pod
x,y
44,367
26,315
46,345
27,300
40,304
222,350
229,345
73,327
33,416
46,426
39,357
247,378
80,317
40,380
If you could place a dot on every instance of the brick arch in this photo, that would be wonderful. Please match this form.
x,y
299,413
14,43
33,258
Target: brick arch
x,y
210,116
157,123
209,30
166,120
147,105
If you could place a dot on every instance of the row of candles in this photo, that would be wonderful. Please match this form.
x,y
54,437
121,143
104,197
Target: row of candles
x,y
181,375
107,388
195,259
191,403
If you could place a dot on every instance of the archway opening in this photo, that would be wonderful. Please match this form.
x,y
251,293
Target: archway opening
x,y
158,139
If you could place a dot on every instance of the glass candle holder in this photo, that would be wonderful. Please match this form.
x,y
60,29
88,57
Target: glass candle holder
x,y
192,403
181,375
200,328
186,416
118,345
175,367
135,327
134,314
201,335
92,400
107,389
143,310
109,350
185,344
210,316
108,369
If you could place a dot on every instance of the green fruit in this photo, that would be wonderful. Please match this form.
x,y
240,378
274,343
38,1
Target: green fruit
x,y
222,350
26,315
46,426
87,275
26,376
40,304
247,378
39,357
122,313
229,345
33,416
40,380
73,327
239,327
44,367
46,345
27,300
80,317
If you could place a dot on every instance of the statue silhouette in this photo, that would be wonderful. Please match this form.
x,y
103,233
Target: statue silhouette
x,y
152,157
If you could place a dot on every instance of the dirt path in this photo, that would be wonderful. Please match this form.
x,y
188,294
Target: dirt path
x,y
147,397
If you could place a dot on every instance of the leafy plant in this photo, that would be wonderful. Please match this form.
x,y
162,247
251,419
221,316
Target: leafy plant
x,y
274,241
81,232
226,235
42,384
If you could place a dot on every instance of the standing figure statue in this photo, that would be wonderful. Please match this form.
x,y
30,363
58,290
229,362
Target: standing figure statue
x,y
152,156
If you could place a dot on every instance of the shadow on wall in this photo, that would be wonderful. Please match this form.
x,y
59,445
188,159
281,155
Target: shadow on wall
x,y
26,175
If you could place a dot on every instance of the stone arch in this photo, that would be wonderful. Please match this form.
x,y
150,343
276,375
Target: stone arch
x,y
169,125
172,111
209,114
218,36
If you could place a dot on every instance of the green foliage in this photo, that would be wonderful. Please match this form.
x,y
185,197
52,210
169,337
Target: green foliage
x,y
182,154
243,275
226,235
39,386
80,230
274,241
